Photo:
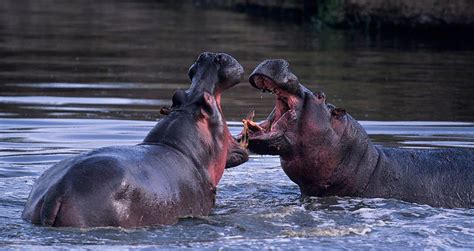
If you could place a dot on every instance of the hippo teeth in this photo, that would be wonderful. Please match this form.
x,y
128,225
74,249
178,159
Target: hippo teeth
x,y
251,125
284,104
266,87
274,91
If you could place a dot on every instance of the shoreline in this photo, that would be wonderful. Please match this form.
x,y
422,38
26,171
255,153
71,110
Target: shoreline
x,y
400,16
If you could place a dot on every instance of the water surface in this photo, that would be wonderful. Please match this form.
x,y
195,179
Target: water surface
x,y
257,205
121,51
78,75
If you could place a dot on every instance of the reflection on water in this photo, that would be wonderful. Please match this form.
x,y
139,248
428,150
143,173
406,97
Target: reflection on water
x,y
142,50
48,100
76,76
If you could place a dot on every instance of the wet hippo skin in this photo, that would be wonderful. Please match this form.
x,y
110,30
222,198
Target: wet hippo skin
x,y
328,153
172,174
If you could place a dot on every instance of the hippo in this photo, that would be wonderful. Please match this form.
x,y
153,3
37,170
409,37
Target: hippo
x,y
172,174
326,152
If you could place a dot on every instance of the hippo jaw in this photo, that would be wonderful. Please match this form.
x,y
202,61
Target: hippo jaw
x,y
269,137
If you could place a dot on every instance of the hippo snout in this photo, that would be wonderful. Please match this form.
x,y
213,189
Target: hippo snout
x,y
215,72
278,72
230,71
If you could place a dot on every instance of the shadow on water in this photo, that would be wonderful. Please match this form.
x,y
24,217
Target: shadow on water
x,y
78,75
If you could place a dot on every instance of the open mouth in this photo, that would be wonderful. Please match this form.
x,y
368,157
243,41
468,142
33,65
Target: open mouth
x,y
278,120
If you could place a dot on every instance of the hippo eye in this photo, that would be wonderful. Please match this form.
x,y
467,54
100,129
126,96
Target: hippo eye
x,y
338,112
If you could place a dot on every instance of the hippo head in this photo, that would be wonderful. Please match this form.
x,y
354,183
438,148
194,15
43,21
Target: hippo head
x,y
299,115
198,109
320,146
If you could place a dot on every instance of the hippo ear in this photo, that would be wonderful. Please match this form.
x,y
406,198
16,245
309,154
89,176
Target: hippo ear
x,y
338,112
165,110
179,98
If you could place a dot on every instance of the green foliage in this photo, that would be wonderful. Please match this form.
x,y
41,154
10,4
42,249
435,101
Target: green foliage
x,y
330,12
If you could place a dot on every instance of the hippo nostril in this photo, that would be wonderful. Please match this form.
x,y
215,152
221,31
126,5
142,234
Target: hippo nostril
x,y
222,59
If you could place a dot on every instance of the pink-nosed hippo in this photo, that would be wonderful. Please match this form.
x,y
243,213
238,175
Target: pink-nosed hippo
x,y
328,153
172,174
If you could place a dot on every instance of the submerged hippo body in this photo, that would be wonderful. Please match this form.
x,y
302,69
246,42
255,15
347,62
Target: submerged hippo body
x,y
171,174
328,153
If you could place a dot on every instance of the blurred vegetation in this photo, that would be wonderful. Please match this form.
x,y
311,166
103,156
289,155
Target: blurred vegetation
x,y
428,15
329,12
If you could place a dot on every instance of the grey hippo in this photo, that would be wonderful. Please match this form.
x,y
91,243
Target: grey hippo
x,y
172,174
328,153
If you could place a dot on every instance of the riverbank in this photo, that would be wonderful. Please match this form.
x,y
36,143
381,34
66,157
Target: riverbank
x,y
402,15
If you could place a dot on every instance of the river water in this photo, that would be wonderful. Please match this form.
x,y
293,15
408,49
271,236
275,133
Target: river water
x,y
78,75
